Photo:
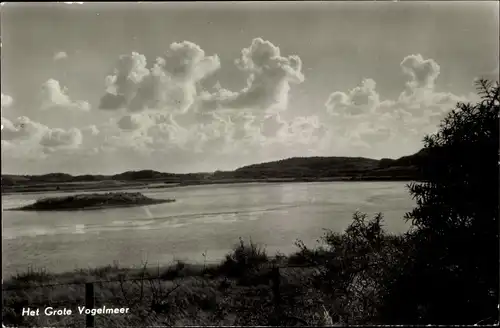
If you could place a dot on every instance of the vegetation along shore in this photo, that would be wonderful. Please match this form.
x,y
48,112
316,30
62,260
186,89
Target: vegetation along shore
x,y
92,202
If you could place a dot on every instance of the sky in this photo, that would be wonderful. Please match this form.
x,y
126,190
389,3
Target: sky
x,y
98,88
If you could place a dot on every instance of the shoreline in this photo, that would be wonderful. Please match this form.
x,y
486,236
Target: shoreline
x,y
153,185
89,208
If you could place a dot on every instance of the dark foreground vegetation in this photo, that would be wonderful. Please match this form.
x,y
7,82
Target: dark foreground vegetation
x,y
444,270
92,202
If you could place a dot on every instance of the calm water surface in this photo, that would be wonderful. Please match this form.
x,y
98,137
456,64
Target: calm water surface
x,y
210,217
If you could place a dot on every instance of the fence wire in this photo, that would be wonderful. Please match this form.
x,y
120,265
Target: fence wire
x,y
154,300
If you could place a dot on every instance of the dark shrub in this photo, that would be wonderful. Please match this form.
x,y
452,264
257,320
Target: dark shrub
x,y
244,259
451,275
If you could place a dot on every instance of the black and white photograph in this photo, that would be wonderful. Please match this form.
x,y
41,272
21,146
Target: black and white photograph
x,y
260,163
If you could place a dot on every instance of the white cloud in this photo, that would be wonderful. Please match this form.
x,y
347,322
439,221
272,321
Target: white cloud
x,y
54,138
422,72
133,122
90,130
6,101
270,75
213,122
273,126
167,110
306,130
8,129
358,101
22,128
163,117
128,74
149,132
169,85
361,117
24,136
54,96
60,55
249,117
21,142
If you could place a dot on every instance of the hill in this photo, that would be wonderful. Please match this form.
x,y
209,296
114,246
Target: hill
x,y
291,169
316,167
351,168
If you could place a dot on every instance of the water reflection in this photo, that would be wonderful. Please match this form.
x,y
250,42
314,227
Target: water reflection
x,y
204,217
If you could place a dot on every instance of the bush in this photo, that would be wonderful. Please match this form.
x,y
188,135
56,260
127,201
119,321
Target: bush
x,y
350,266
451,274
244,259
32,276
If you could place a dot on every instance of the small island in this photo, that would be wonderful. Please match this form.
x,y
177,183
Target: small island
x,y
92,202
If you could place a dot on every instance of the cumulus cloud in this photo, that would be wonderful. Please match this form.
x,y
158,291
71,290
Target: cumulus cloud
x,y
10,129
269,76
22,128
6,101
306,130
60,55
248,119
361,117
54,96
168,111
162,113
242,129
358,101
24,136
371,132
273,126
133,122
21,141
212,127
54,138
169,85
90,130
123,84
149,133
422,72
215,101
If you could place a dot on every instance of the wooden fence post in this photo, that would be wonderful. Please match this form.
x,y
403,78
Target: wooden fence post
x,y
276,286
89,303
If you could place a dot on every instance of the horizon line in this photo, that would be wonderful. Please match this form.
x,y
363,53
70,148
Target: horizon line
x,y
201,172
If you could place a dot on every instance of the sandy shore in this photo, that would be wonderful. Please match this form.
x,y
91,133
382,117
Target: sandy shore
x,y
125,185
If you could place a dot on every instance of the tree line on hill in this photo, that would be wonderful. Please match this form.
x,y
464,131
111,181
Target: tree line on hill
x,y
297,167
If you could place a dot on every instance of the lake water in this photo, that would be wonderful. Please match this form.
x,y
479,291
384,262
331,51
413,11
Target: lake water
x,y
209,217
